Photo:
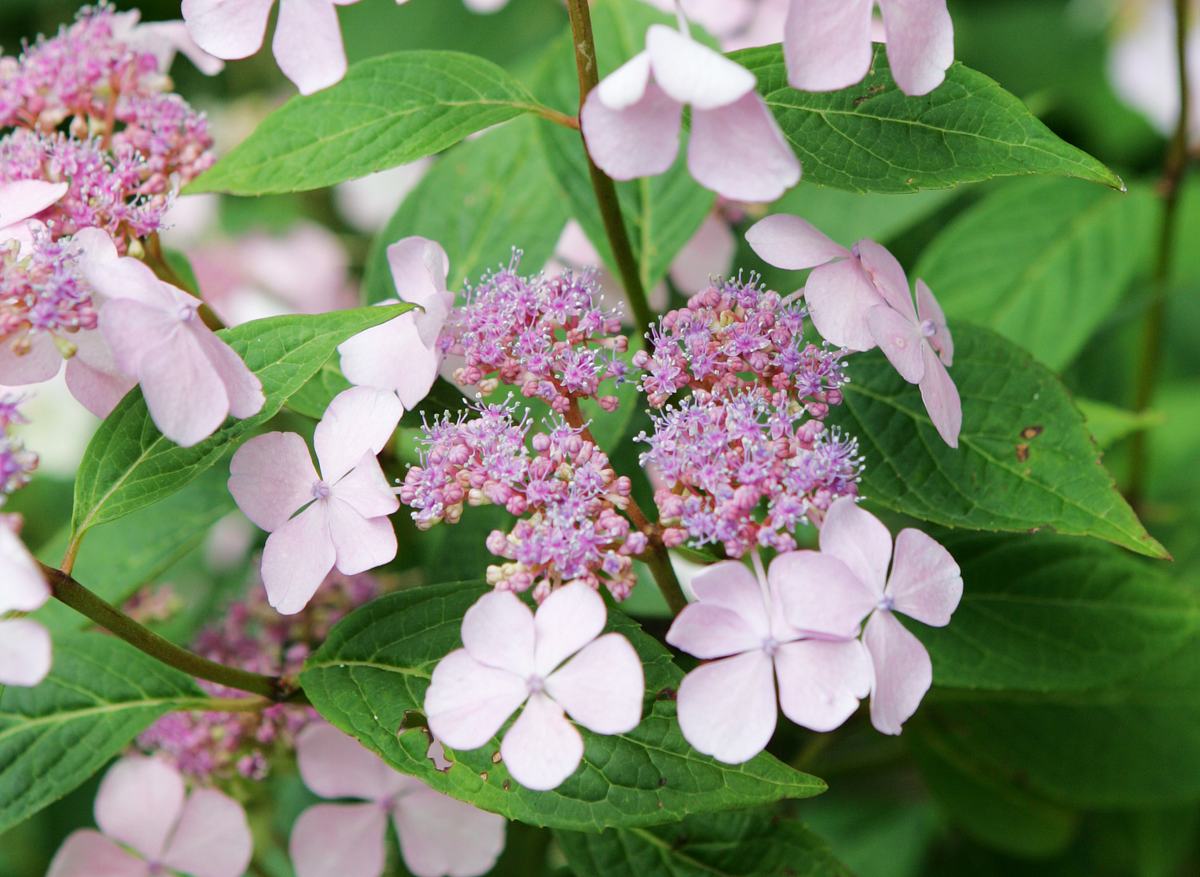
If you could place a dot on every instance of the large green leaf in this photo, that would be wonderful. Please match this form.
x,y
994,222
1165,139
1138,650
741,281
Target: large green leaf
x,y
479,202
661,213
388,111
130,465
1025,460
874,138
1109,424
99,695
370,676
747,843
1043,262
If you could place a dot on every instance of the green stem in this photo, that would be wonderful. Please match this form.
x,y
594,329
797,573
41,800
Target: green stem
x,y
83,601
605,189
1170,188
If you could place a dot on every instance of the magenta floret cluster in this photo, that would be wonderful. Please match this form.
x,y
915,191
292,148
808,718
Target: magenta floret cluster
x,y
560,484
16,462
224,746
42,294
548,336
734,335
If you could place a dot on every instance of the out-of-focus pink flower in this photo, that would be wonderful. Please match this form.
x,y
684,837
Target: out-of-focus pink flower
x,y
1143,68
403,354
191,379
632,120
510,657
482,6
850,575
343,511
20,202
827,43
721,18
369,202
24,644
439,836
163,40
149,827
307,42
727,707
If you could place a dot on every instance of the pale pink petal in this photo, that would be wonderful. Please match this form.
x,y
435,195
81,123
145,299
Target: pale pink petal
x,y
25,652
340,840
708,631
24,199
228,29
929,309
308,44
419,268
394,357
500,631
542,748
820,594
132,328
164,38
335,765
692,73
441,836
93,376
926,583
827,43
739,151
626,85
357,420
212,838
296,559
23,588
361,543
485,6
903,672
39,363
822,681
139,802
941,399
839,296
709,253
858,539
727,707
641,140
792,243
270,477
366,490
22,233
242,386
730,585
88,853
601,688
570,618
888,275
901,341
467,702
112,276
920,43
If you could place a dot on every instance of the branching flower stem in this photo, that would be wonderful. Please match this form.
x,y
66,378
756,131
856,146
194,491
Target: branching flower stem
x,y
83,601
1170,189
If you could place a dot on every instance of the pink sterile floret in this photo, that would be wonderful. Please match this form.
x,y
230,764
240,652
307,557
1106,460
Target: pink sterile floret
x,y
17,463
24,644
439,836
317,521
149,826
556,664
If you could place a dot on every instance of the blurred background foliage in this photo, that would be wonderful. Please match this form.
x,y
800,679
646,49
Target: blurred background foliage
x,y
918,806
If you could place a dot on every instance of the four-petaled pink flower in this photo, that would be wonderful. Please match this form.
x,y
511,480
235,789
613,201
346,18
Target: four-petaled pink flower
x,y
403,354
727,707
850,576
512,657
632,119
860,298
827,43
141,806
24,644
307,42
343,511
191,379
439,836
20,202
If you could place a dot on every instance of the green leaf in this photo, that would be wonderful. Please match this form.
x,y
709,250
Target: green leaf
x,y
852,216
130,465
479,201
370,676
1025,460
736,844
313,398
1043,262
1051,614
1109,424
661,213
388,111
100,694
874,138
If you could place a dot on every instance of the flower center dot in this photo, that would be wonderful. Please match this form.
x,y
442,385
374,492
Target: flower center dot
x,y
771,646
535,684
321,490
928,329
886,603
